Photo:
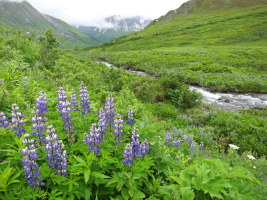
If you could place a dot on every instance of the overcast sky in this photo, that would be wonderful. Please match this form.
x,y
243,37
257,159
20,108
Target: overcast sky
x,y
92,12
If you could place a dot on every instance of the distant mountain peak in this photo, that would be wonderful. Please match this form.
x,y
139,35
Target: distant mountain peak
x,y
115,26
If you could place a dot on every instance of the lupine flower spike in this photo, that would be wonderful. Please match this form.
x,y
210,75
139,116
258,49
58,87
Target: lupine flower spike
x,y
85,103
31,168
102,122
68,123
61,98
144,148
93,139
135,142
118,129
56,155
130,118
41,105
17,122
74,101
109,112
38,125
3,120
128,155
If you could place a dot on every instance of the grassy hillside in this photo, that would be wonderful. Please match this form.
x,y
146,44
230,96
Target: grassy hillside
x,y
209,27
21,15
220,45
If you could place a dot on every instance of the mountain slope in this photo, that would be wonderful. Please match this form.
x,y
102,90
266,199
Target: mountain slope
x,y
204,23
115,27
21,15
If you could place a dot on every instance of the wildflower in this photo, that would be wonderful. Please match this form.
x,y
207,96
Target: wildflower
x,y
232,146
144,148
61,98
50,130
130,118
135,142
109,111
30,167
93,139
251,157
85,103
56,155
3,120
201,146
38,126
118,129
41,105
128,155
74,101
17,122
68,123
102,121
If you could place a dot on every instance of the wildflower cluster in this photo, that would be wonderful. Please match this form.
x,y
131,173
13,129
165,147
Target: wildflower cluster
x,y
85,103
3,120
130,118
102,121
30,167
179,137
17,121
74,101
38,127
109,112
93,139
118,129
64,106
56,155
41,105
135,149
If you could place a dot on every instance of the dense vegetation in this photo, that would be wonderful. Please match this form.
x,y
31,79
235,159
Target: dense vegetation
x,y
171,147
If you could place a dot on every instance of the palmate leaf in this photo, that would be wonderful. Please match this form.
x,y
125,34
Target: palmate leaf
x,y
7,179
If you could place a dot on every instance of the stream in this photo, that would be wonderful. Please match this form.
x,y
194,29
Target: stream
x,y
223,101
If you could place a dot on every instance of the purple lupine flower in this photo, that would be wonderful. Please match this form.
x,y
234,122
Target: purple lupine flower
x,y
118,129
201,146
144,148
31,168
135,142
128,155
38,126
170,136
3,120
56,155
109,111
17,122
68,123
74,101
85,103
102,121
41,105
50,130
93,139
62,97
130,118
177,143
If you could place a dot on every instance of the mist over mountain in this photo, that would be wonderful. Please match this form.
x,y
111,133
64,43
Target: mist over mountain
x,y
115,26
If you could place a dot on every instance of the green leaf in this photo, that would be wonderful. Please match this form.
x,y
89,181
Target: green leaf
x,y
139,195
87,175
187,193
87,193
99,175
125,193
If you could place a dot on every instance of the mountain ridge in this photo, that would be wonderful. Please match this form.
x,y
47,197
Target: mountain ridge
x,y
23,16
